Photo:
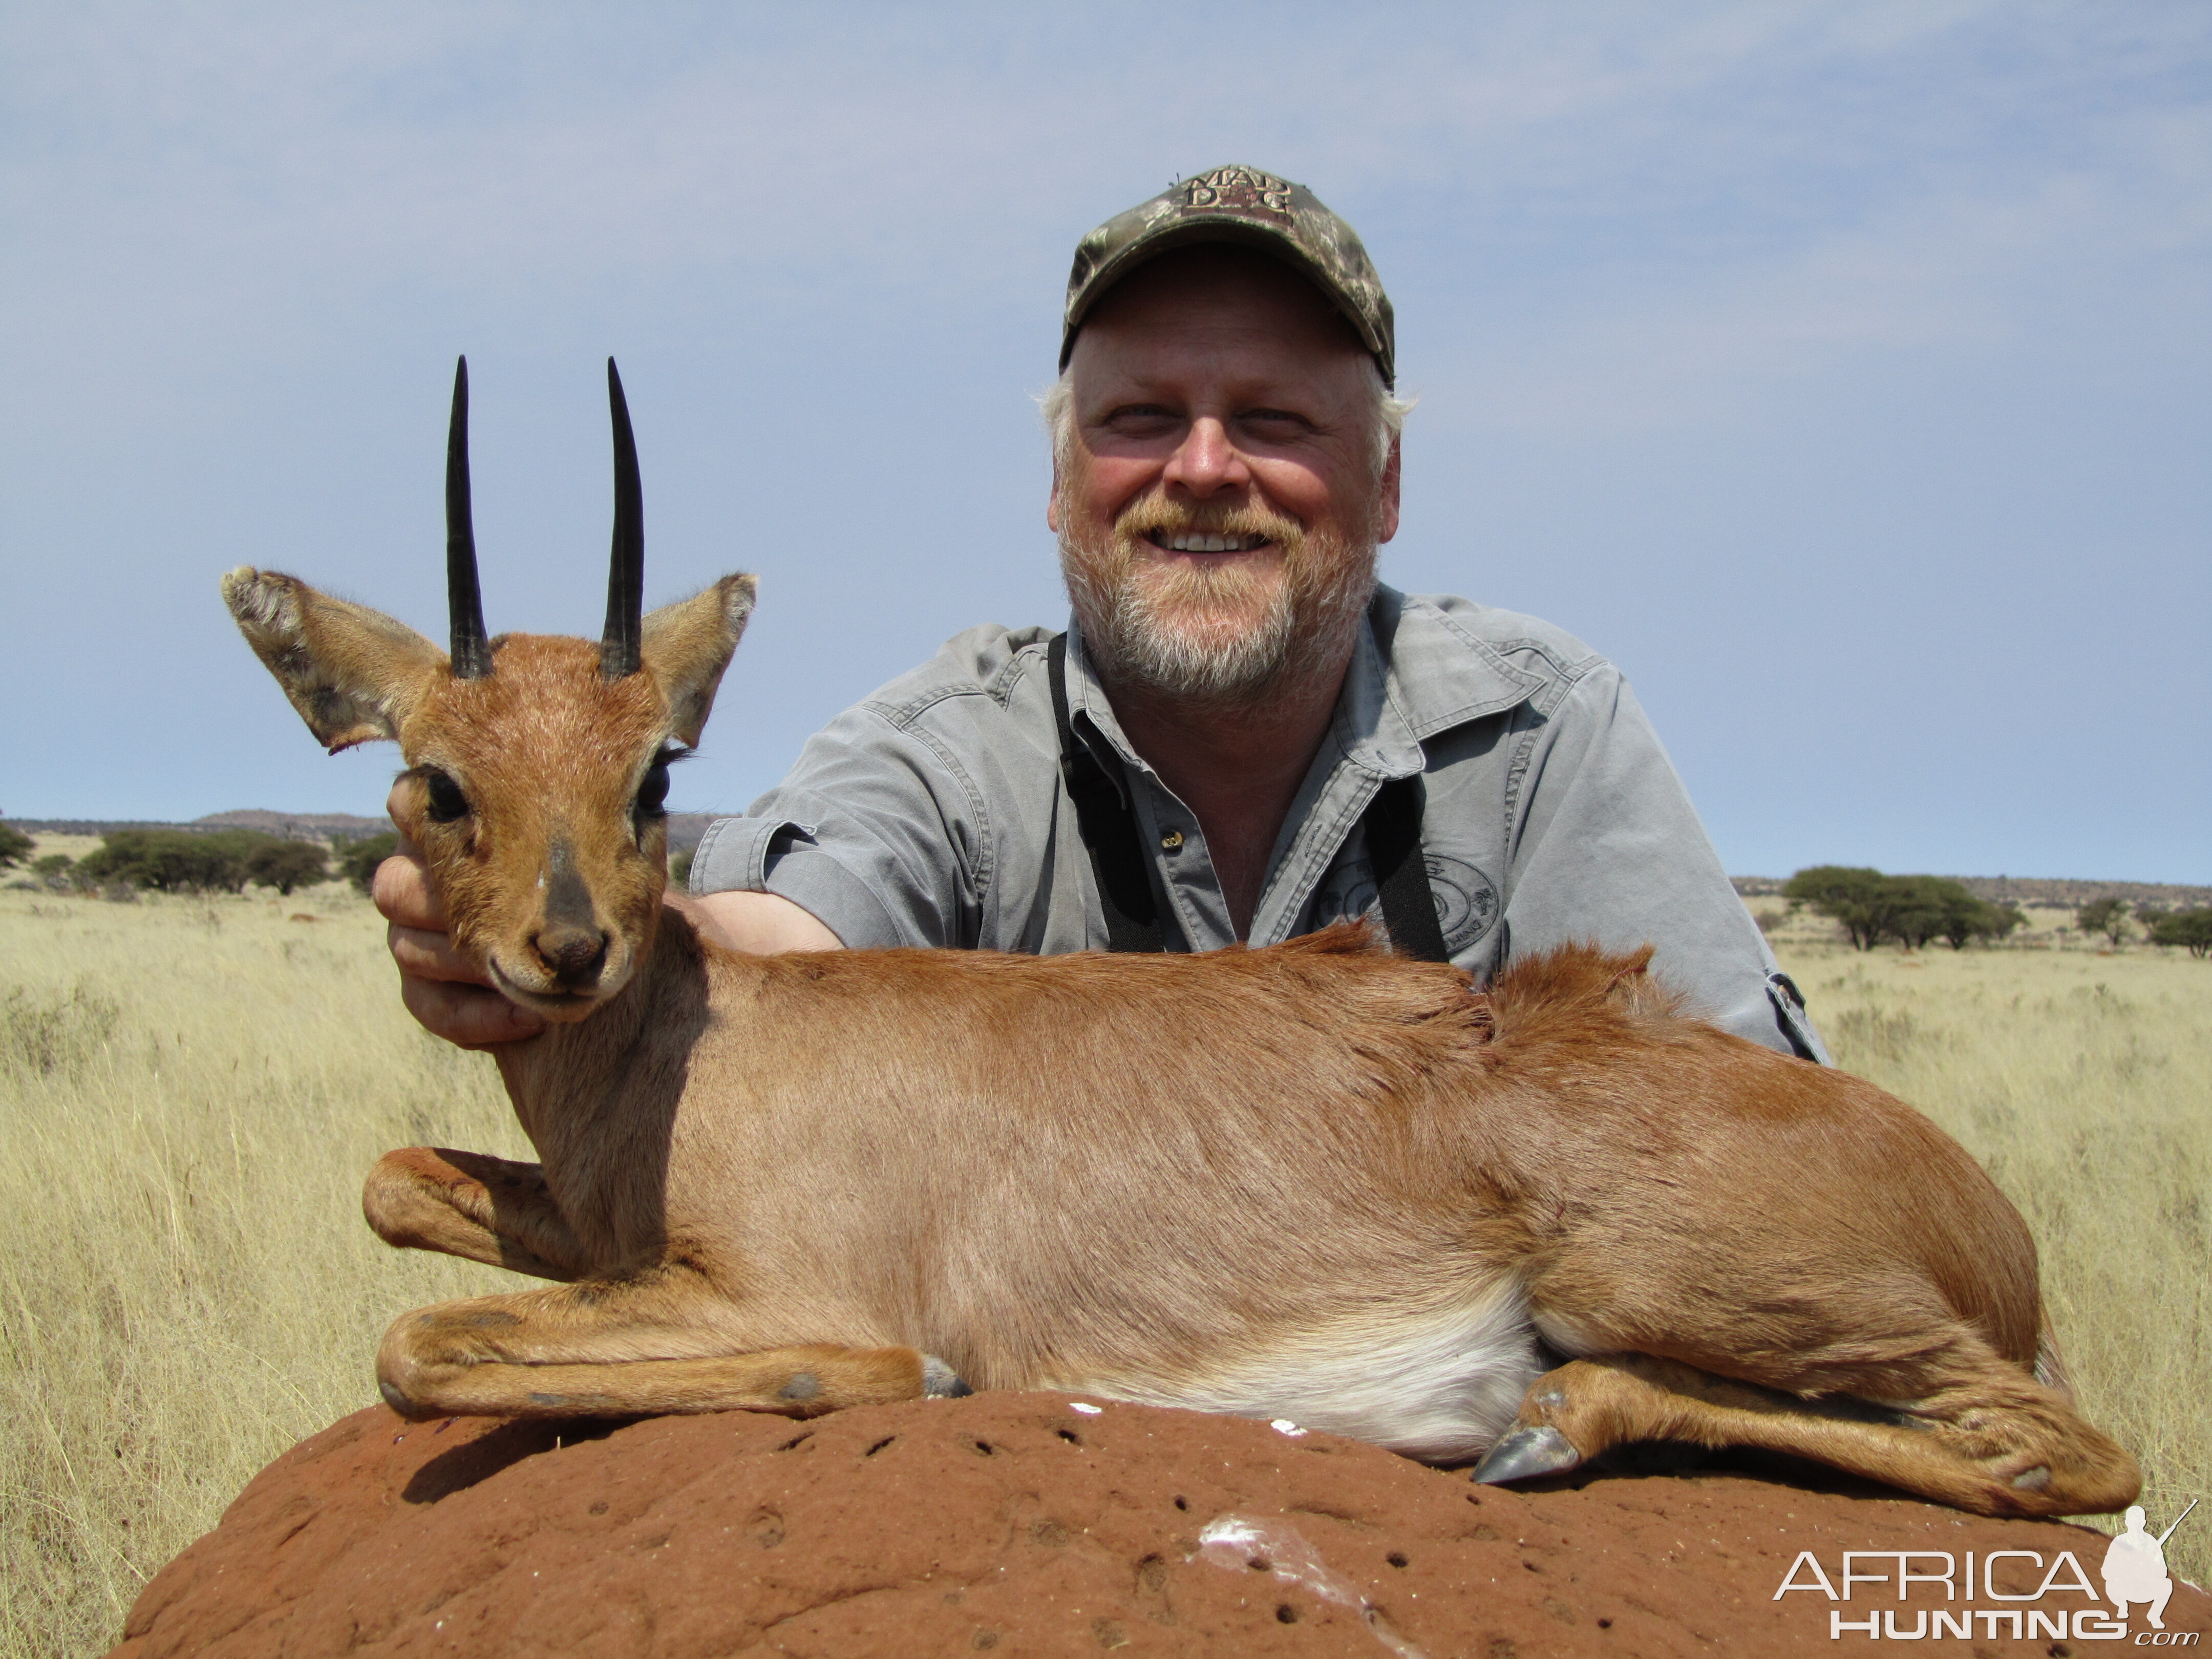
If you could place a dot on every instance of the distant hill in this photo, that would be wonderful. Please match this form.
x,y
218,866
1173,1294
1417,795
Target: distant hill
x,y
2034,890
296,826
85,826
684,828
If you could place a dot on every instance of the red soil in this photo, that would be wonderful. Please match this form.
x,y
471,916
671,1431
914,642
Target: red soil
x,y
1017,1523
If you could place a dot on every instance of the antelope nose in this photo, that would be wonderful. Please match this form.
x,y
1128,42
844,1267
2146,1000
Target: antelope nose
x,y
572,955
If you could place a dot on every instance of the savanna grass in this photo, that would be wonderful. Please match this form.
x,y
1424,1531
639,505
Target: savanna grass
x,y
2083,1083
191,1091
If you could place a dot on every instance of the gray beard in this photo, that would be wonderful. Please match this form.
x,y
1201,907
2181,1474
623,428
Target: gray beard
x,y
1131,629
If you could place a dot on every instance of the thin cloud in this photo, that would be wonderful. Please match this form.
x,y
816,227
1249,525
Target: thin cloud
x,y
246,238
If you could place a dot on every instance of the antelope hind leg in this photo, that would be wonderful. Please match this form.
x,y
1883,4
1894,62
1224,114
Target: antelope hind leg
x,y
1996,1444
470,1205
624,1347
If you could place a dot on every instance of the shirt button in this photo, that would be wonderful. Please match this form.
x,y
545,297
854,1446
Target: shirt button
x,y
1171,840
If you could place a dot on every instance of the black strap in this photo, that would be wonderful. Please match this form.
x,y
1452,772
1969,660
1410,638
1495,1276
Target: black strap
x,y
1109,825
1401,873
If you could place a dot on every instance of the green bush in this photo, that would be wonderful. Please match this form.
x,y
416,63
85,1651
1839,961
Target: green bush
x,y
175,861
2191,929
60,872
357,859
15,845
285,865
1966,919
2108,916
1910,909
1921,907
1855,897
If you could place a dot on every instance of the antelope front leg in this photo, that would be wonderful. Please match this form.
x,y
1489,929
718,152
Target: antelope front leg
x,y
621,1347
468,1204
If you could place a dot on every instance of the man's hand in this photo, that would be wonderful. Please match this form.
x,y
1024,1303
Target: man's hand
x,y
448,997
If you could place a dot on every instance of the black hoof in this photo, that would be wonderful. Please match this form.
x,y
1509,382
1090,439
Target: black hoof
x,y
940,1381
1526,1453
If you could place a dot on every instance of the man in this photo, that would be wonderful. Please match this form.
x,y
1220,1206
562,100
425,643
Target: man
x,y
2135,1569
1215,753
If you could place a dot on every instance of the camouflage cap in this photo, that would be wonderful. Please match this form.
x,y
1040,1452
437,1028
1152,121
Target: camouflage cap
x,y
1238,204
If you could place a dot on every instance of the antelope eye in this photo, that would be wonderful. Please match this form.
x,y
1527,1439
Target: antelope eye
x,y
447,803
653,793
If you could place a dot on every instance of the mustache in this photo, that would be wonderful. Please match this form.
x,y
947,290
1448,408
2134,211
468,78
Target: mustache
x,y
1159,515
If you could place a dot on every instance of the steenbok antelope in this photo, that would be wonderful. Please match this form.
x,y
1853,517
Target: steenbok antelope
x,y
1317,1181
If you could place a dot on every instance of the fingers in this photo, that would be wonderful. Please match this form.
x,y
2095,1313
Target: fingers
x,y
423,955
447,993
402,892
467,1016
417,936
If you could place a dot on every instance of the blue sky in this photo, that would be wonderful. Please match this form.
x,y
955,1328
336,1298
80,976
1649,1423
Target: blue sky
x,y
1841,370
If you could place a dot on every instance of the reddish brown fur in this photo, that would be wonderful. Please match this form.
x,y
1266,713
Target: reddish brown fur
x,y
772,1180
546,750
1803,1151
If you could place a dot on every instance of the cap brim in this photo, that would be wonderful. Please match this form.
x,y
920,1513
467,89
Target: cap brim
x,y
1192,233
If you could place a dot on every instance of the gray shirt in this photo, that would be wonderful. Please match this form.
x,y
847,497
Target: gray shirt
x,y
933,813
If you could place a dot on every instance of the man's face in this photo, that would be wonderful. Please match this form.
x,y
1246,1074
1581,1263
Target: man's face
x,y
1220,498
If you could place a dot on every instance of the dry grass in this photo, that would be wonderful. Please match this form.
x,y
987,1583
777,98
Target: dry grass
x,y
2083,1083
191,1093
192,1090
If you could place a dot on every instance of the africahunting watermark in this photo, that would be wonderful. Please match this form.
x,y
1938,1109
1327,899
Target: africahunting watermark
x,y
2027,1590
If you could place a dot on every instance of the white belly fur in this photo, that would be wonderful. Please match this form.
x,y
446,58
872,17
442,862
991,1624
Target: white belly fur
x,y
1438,1383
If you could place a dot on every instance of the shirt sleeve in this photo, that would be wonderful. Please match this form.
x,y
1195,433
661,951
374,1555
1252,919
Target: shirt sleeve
x,y
875,832
1606,848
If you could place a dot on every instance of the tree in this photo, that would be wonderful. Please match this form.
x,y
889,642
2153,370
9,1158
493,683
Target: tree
x,y
285,865
357,859
1857,898
2108,916
1998,921
2191,929
1910,909
1921,907
1966,918
15,845
174,860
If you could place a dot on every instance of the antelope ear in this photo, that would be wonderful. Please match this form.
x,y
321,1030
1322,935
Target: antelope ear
x,y
688,644
353,673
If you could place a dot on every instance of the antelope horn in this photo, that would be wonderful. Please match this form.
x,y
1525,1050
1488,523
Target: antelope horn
x,y
620,651
463,598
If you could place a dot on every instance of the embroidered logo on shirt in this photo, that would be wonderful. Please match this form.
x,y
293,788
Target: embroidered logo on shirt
x,y
1467,899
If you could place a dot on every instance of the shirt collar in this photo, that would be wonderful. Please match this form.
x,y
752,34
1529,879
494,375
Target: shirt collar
x,y
1416,672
